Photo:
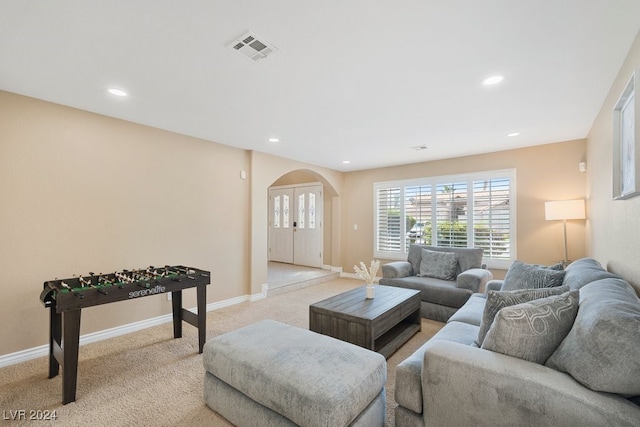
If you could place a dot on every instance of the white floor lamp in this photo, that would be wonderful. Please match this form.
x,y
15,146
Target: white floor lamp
x,y
564,210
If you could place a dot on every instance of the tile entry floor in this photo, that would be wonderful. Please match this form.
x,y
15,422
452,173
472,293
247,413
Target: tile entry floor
x,y
283,277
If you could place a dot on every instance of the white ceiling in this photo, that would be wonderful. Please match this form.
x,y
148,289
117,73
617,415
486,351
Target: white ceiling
x,y
358,80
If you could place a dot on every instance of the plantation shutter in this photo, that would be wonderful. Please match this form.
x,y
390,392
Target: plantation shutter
x,y
417,211
451,214
461,211
492,217
388,237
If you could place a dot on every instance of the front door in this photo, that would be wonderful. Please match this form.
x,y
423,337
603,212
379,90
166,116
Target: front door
x,y
295,225
281,225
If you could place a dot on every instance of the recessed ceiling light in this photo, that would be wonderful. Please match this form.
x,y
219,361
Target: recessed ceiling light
x,y
274,140
117,92
513,134
492,80
346,162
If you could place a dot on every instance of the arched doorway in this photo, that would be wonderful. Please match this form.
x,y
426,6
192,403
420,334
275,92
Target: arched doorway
x,y
296,224
300,230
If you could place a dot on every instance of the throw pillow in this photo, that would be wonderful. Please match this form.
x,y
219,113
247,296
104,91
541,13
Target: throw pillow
x,y
602,351
496,300
528,276
439,265
533,330
557,266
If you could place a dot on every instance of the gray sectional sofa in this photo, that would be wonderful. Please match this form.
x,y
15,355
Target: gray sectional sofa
x,y
445,277
586,370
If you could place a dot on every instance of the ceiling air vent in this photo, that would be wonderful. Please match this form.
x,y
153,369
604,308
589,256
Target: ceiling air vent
x,y
252,47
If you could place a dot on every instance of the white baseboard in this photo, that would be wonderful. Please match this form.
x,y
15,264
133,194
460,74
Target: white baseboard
x,y
43,350
261,295
23,356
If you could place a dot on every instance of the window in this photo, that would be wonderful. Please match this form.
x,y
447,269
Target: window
x,y
388,230
276,212
301,211
312,211
285,211
474,210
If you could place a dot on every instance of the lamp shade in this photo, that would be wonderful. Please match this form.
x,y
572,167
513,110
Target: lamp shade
x,y
564,209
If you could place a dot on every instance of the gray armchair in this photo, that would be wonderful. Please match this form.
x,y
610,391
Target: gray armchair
x,y
445,277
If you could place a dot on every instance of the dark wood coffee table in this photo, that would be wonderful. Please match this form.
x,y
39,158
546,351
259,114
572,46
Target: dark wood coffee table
x,y
381,324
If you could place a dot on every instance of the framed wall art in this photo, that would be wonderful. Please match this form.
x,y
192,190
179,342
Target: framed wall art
x,y
626,140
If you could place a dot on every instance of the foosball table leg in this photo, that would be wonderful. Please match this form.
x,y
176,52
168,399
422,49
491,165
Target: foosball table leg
x,y
70,365
176,300
202,316
55,341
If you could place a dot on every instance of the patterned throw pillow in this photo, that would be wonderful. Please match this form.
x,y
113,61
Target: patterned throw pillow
x,y
557,266
529,276
439,265
496,300
533,330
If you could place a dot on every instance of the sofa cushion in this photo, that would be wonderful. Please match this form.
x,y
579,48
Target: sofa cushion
x,y
528,276
439,265
471,311
602,350
584,271
534,329
436,291
496,300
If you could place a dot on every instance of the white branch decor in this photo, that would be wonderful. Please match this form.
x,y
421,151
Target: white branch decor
x,y
367,274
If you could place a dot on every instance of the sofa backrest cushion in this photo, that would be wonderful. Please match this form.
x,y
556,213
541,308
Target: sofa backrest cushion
x,y
584,271
467,257
530,276
533,330
602,350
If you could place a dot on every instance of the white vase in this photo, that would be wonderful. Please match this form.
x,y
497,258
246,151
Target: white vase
x,y
371,291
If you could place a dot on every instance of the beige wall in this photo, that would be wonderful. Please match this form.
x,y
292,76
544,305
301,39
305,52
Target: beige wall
x,y
613,230
547,172
81,192
267,170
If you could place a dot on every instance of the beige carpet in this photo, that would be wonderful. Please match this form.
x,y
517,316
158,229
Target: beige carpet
x,y
147,378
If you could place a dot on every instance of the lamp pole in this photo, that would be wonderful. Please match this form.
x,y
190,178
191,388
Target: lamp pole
x,y
565,261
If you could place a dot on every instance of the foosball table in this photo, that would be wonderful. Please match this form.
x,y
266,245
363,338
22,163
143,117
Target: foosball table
x,y
66,298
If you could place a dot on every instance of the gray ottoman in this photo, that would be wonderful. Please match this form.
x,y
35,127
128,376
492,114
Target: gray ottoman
x,y
273,374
